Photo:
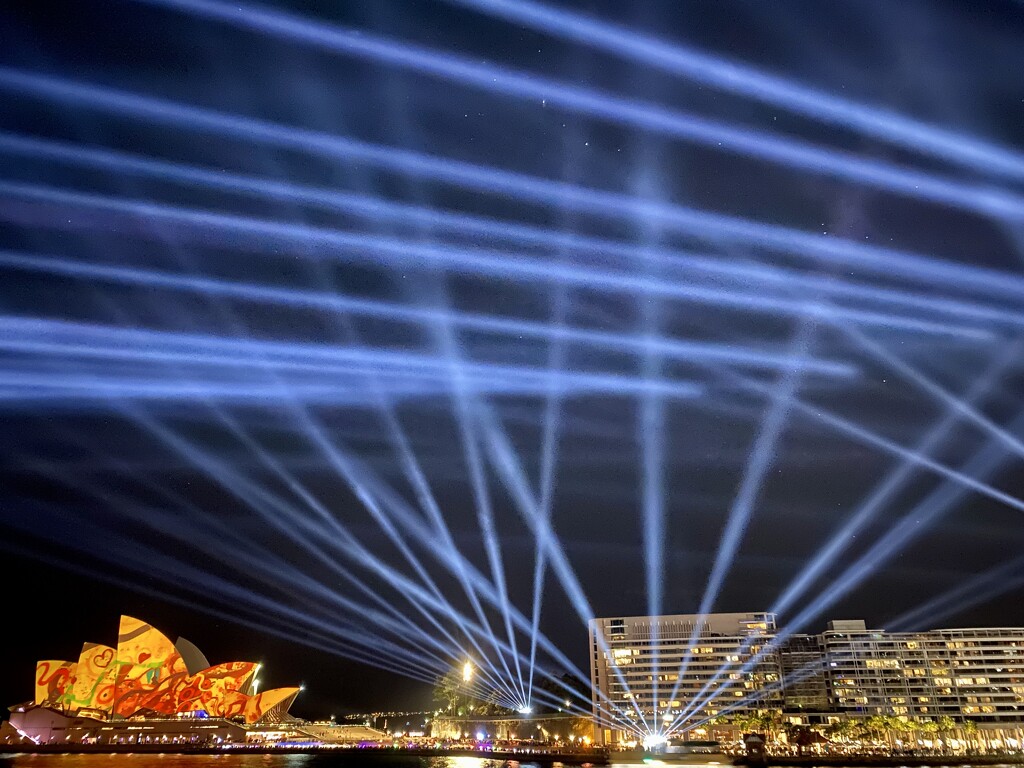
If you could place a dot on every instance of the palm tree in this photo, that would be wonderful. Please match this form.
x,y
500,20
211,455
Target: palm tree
x,y
859,730
770,721
930,729
945,725
745,721
892,727
970,728
849,729
875,726
840,729
909,728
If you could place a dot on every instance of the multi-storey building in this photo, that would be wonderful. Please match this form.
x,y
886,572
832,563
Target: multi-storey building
x,y
805,684
653,669
651,672
966,674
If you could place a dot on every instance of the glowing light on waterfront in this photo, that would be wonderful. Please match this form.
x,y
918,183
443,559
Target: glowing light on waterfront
x,y
653,741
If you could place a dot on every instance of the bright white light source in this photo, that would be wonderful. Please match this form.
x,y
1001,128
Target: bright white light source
x,y
652,740
524,710
467,672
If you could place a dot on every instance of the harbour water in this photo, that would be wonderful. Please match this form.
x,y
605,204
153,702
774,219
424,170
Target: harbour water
x,y
335,760
344,760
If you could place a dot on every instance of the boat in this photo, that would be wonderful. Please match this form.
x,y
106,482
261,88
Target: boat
x,y
687,752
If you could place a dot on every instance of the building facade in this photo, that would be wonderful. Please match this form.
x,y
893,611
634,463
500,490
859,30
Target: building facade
x,y
647,672
805,682
966,674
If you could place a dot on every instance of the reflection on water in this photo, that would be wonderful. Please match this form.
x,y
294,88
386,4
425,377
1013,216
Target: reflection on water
x,y
237,761
341,760
347,759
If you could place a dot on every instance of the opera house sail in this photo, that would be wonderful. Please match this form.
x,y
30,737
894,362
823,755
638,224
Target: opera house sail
x,y
148,675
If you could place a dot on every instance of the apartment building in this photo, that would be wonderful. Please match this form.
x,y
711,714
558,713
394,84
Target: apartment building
x,y
648,670
651,671
972,674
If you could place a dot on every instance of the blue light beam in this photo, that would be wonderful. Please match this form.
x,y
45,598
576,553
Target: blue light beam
x,y
647,116
745,80
374,209
886,262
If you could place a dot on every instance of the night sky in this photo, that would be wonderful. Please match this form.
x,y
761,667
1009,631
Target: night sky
x,y
235,184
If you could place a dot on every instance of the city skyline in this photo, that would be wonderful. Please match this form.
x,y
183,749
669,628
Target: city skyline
x,y
849,670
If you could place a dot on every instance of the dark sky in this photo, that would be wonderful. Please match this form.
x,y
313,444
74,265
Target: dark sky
x,y
142,421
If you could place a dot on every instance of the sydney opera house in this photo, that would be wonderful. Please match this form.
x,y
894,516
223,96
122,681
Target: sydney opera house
x,y
146,688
